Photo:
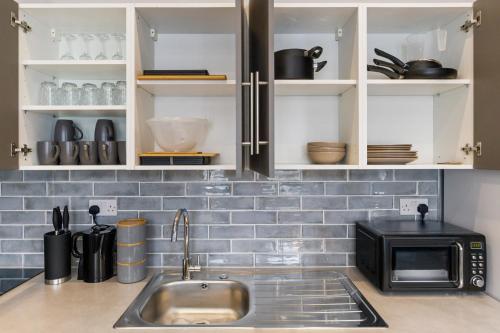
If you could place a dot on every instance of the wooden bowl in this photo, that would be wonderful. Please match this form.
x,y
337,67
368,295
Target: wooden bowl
x,y
326,144
326,157
325,149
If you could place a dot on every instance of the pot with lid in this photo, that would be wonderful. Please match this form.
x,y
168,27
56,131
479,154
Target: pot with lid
x,y
298,64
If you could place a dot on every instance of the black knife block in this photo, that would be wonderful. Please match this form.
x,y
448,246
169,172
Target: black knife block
x,y
57,257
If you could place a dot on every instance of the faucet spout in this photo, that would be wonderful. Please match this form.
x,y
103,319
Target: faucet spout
x,y
187,268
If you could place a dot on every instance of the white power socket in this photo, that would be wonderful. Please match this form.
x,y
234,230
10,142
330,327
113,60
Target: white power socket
x,y
409,206
107,207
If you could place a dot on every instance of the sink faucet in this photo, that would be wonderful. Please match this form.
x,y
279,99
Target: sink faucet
x,y
187,268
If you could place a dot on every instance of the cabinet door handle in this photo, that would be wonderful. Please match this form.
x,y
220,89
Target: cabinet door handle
x,y
258,83
251,142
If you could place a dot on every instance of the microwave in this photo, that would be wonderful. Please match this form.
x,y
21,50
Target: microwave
x,y
421,256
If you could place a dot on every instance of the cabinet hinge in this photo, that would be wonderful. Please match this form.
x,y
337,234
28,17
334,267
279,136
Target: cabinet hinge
x,y
15,150
474,22
469,149
15,23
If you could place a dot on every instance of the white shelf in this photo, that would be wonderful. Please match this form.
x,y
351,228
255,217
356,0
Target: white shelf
x,y
313,87
186,167
420,166
413,87
189,88
77,110
73,167
80,69
316,167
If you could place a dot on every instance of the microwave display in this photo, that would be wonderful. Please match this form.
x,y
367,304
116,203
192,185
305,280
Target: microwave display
x,y
476,245
422,264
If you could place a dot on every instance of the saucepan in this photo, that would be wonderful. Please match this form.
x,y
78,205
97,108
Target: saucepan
x,y
298,64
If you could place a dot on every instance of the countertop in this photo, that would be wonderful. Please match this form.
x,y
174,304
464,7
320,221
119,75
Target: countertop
x,y
79,307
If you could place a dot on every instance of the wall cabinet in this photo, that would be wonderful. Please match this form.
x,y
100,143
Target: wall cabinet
x,y
256,121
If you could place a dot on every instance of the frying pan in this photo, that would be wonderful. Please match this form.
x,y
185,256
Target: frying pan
x,y
422,74
410,65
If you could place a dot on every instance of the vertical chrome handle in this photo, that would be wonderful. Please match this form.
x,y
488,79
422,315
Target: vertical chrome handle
x,y
252,87
257,112
460,265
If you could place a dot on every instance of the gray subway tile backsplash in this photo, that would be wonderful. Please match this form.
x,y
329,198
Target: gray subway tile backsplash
x,y
297,218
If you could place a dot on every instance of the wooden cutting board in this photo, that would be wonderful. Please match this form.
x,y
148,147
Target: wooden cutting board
x,y
182,77
176,154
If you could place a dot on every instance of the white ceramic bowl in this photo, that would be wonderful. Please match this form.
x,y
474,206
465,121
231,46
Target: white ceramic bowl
x,y
178,134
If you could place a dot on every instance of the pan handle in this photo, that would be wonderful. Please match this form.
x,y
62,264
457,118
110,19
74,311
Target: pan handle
x,y
394,67
392,75
392,58
320,65
315,52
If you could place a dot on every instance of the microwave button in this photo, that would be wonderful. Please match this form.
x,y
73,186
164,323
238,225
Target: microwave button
x,y
480,272
481,264
474,257
474,264
474,272
481,257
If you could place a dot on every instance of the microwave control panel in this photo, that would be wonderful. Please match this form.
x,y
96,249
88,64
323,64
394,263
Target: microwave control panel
x,y
477,264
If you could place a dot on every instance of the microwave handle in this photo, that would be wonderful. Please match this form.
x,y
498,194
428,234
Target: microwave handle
x,y
460,265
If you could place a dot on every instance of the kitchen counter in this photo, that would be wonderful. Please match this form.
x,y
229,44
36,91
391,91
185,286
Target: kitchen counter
x,y
79,307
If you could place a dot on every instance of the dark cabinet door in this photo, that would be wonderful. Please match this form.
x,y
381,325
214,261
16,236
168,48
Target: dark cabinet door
x,y
240,106
9,88
486,85
261,66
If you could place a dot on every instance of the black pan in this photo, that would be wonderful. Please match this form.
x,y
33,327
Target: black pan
x,y
421,74
410,65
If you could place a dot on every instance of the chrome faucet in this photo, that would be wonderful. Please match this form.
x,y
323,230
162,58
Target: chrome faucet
x,y
187,268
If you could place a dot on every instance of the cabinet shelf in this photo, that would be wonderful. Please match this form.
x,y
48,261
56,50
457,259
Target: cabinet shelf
x,y
316,167
420,166
72,167
78,110
199,88
80,69
313,87
413,87
186,167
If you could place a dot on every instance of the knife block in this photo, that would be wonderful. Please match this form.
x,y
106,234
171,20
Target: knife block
x,y
57,257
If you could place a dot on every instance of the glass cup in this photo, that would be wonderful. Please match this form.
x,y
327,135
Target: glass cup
x,y
48,93
68,39
103,38
72,94
119,38
90,94
107,93
120,93
87,38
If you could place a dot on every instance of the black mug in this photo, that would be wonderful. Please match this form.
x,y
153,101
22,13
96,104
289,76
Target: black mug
x,y
66,130
104,130
97,261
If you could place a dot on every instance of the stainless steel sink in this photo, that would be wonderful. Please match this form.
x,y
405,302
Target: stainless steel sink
x,y
197,302
255,299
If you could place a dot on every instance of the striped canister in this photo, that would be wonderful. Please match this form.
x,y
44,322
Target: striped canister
x,y
131,256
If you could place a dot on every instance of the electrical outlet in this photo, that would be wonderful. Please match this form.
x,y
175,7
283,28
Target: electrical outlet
x,y
409,206
107,207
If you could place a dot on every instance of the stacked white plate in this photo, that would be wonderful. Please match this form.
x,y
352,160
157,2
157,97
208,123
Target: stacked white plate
x,y
391,154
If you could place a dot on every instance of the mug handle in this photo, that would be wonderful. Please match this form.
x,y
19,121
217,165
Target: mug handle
x,y
80,133
86,151
58,152
74,248
76,150
105,151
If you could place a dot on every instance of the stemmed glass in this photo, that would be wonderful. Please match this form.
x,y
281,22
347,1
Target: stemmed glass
x,y
68,38
87,38
103,38
119,38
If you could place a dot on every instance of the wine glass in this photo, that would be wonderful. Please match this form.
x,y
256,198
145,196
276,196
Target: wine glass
x,y
119,38
87,38
68,38
103,38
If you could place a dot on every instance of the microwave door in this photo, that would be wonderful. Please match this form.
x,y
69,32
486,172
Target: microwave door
x,y
425,264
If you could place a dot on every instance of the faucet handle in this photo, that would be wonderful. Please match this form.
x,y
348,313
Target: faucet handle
x,y
197,267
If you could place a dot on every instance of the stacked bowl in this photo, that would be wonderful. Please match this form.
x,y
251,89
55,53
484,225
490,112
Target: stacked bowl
x,y
131,261
326,152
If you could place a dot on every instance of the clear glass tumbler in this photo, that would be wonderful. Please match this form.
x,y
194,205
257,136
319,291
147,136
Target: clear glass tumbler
x,y
87,38
120,93
107,93
90,94
103,38
72,94
68,39
48,93
119,38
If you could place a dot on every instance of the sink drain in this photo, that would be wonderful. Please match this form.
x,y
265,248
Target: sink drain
x,y
204,286
206,322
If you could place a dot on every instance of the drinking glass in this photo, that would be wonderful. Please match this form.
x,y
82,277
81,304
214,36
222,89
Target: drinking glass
x,y
103,38
87,38
71,94
107,93
119,38
90,94
48,93
68,39
120,93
